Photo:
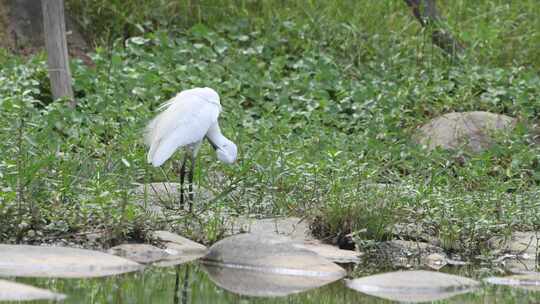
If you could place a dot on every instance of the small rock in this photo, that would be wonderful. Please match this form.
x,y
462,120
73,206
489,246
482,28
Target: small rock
x,y
180,249
178,255
329,252
140,253
12,291
184,244
93,237
436,261
471,129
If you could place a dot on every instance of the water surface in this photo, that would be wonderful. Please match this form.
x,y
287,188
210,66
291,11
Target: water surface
x,y
190,283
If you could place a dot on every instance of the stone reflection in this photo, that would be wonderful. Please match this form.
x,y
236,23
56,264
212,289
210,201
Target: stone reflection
x,y
260,284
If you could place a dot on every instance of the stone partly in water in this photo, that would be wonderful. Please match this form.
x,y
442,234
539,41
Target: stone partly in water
x,y
177,255
264,259
524,281
413,286
474,130
180,249
140,253
11,291
60,262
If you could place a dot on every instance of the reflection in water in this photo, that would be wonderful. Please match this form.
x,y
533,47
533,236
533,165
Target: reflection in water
x,y
260,284
158,286
181,296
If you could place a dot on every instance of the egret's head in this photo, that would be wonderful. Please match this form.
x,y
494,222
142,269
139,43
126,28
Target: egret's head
x,y
227,152
207,94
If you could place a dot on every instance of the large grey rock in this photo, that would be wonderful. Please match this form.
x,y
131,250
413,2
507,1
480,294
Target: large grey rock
x,y
474,130
413,286
525,281
12,291
270,254
265,265
297,230
62,262
140,253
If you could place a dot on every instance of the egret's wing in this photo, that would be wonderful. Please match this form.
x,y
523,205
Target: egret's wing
x,y
185,120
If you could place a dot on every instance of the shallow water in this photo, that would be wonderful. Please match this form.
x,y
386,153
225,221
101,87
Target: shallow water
x,y
191,284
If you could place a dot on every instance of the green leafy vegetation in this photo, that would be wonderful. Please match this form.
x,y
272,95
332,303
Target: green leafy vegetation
x,y
323,100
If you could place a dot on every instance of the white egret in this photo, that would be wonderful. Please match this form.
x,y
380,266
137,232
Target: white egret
x,y
184,122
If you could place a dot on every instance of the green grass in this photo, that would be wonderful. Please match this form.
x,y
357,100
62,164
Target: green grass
x,y
322,99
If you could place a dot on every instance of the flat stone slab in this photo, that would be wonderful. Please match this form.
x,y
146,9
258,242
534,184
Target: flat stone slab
x,y
60,262
524,246
271,254
525,281
413,286
522,266
140,253
520,242
473,130
12,291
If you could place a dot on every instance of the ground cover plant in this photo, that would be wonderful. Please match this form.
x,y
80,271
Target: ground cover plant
x,y
323,100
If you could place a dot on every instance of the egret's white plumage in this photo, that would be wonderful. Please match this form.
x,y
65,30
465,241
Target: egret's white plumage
x,y
185,121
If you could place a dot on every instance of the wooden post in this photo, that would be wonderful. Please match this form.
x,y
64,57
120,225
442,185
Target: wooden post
x,y
54,28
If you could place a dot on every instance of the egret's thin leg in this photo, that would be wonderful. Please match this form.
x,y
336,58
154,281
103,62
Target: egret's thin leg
x,y
190,181
182,175
176,287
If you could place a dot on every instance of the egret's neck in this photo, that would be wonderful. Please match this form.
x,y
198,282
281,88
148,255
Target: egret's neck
x,y
226,150
216,137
